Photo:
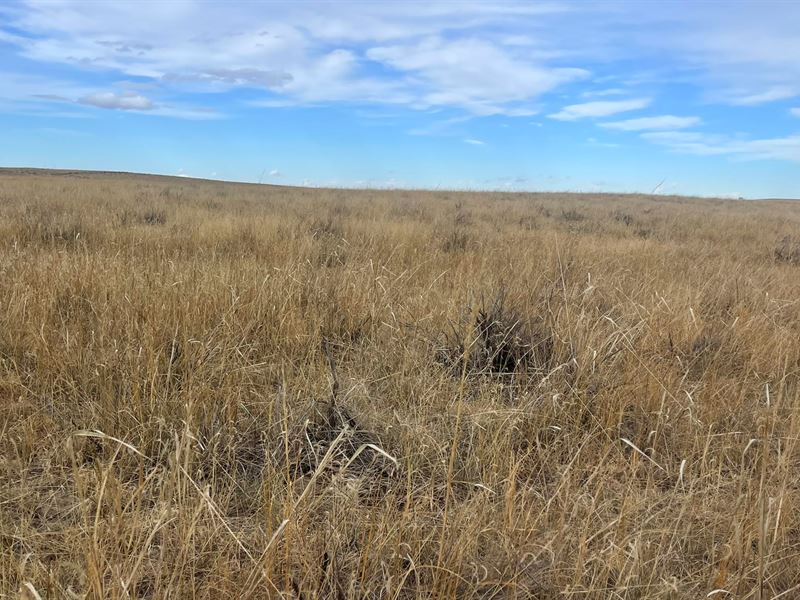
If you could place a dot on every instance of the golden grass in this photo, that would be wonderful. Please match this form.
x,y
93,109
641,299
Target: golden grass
x,y
214,390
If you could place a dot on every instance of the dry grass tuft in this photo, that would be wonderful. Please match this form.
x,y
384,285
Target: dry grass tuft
x,y
788,250
499,342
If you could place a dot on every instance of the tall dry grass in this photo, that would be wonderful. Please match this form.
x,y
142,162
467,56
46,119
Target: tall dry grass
x,y
213,390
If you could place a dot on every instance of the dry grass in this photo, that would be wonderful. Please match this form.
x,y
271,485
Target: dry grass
x,y
213,390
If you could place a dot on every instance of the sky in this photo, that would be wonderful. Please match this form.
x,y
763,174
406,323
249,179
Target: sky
x,y
685,97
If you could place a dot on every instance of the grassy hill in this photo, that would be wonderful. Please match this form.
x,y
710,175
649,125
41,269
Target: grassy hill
x,y
231,390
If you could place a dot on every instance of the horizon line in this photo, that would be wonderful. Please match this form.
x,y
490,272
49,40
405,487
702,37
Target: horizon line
x,y
476,190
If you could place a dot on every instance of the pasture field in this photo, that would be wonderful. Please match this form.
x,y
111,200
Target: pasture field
x,y
216,390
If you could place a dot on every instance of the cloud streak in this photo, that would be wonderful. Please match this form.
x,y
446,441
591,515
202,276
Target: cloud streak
x,y
660,123
115,101
703,144
762,97
233,77
600,108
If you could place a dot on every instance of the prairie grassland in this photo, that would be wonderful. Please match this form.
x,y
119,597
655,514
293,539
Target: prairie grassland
x,y
215,390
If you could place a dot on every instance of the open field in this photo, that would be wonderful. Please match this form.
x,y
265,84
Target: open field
x,y
214,390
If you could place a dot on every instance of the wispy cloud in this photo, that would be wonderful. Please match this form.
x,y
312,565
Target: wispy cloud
x,y
659,123
487,58
595,142
115,101
437,55
474,142
497,58
690,142
769,95
704,144
600,108
477,75
63,131
33,94
136,103
795,111
441,127
242,77
603,92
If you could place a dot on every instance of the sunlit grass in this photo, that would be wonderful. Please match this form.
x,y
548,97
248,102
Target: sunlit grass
x,y
217,390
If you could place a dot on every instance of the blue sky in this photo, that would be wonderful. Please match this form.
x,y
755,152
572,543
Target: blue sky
x,y
677,97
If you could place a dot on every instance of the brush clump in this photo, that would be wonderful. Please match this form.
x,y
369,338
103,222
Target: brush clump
x,y
787,250
499,341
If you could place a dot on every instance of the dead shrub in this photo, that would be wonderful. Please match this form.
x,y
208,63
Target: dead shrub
x,y
330,253
330,248
787,250
499,342
713,348
623,217
462,217
352,450
528,223
154,217
456,237
327,227
456,240
343,331
356,453
572,216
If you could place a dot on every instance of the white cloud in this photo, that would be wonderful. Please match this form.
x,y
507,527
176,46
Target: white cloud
x,y
595,142
751,51
747,52
275,173
244,77
690,142
474,142
336,77
33,94
441,127
762,97
782,148
123,101
432,55
39,88
600,108
660,123
474,74
604,92
483,58
795,111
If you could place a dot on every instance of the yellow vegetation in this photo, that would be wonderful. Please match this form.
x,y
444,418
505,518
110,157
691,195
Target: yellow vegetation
x,y
214,390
